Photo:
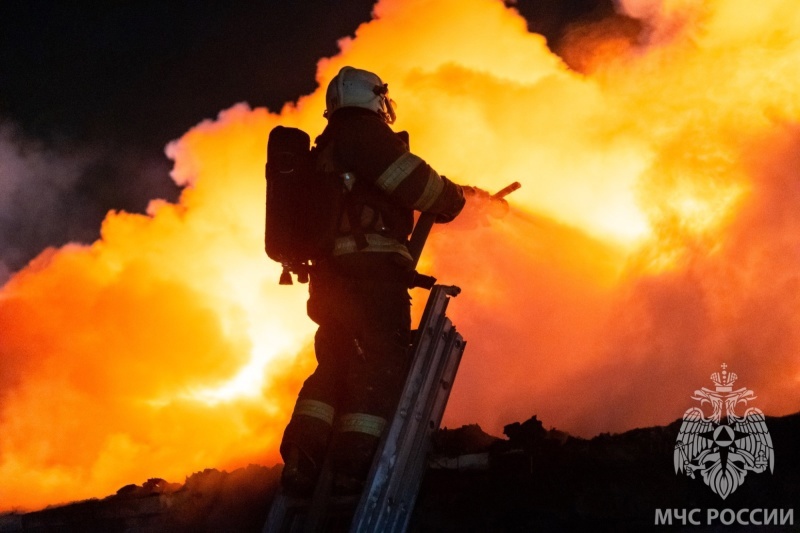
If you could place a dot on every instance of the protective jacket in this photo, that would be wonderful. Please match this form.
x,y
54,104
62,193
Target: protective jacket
x,y
390,183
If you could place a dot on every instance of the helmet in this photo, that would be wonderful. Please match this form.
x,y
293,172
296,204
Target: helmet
x,y
353,87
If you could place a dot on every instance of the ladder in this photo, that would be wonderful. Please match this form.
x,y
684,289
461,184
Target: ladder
x,y
394,480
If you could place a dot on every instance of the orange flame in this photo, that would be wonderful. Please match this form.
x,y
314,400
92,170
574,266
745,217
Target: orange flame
x,y
655,237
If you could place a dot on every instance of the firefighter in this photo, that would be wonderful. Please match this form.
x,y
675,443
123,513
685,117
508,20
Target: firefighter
x,y
359,295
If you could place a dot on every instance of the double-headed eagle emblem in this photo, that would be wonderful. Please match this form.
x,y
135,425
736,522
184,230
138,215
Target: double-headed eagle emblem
x,y
723,447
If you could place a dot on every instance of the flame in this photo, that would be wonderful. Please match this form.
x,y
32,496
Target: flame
x,y
654,237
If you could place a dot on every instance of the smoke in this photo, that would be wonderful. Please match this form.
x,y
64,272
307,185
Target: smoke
x,y
57,192
653,239
711,280
33,183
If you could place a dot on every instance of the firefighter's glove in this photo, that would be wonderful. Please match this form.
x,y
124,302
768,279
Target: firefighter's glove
x,y
455,202
484,204
474,192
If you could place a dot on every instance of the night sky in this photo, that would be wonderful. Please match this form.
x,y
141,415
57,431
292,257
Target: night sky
x,y
90,93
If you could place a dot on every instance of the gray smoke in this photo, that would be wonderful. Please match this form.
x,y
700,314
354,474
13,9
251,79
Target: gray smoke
x,y
34,181
59,192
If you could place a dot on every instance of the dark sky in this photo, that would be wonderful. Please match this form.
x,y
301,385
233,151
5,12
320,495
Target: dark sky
x,y
91,92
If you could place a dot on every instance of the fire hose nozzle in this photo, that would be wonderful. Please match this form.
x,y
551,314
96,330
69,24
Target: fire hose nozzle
x,y
508,189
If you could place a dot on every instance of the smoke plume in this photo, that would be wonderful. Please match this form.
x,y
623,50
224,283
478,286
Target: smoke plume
x,y
56,192
34,182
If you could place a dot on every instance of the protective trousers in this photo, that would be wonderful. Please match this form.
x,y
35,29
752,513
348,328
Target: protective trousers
x,y
362,350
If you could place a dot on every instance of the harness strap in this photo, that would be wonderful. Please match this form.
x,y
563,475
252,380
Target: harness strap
x,y
354,217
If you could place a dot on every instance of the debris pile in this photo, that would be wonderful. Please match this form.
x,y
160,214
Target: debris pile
x,y
536,479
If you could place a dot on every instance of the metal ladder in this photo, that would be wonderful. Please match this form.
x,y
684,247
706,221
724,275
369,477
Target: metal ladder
x,y
394,480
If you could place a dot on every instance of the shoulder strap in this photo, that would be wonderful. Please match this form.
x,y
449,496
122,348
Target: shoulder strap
x,y
325,161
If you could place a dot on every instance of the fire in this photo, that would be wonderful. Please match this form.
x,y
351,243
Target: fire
x,y
655,236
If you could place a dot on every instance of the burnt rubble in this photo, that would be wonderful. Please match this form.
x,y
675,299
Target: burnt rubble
x,y
209,501
534,480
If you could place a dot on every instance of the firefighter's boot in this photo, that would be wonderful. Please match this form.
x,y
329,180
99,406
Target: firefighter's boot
x,y
352,459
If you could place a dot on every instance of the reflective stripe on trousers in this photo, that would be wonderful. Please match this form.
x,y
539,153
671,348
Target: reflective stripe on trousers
x,y
361,423
314,409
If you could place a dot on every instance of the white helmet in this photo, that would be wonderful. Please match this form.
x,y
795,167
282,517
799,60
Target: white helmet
x,y
353,87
